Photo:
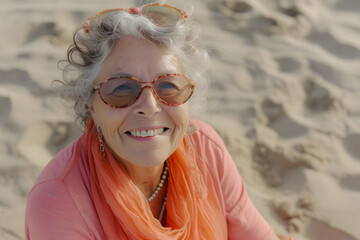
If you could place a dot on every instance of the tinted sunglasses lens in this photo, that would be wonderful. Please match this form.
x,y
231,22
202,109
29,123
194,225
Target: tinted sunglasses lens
x,y
174,89
120,92
162,15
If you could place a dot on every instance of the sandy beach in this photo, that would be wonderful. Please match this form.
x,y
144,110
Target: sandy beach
x,y
284,95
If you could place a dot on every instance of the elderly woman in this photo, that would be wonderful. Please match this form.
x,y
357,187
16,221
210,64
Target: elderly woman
x,y
141,169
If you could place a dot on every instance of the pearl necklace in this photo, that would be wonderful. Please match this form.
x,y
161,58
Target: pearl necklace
x,y
162,209
161,183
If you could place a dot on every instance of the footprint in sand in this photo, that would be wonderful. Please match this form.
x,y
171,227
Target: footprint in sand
x,y
348,5
350,182
287,127
288,64
292,11
312,153
272,108
332,45
55,34
5,109
284,125
352,145
332,73
271,111
319,97
237,6
274,159
42,29
21,78
325,70
242,16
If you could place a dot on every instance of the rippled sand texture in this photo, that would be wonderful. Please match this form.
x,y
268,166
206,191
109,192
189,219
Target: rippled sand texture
x,y
284,96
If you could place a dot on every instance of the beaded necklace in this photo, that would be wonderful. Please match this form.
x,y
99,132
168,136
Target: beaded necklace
x,y
161,183
157,190
162,209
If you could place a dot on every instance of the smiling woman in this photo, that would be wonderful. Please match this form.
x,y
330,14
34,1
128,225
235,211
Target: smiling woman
x,y
146,108
142,169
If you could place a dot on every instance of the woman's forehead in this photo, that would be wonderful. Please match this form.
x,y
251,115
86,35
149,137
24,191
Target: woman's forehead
x,y
138,57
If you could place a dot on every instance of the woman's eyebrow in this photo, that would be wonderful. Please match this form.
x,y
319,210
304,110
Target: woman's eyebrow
x,y
125,74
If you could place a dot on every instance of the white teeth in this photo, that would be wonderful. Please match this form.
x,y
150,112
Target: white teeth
x,y
149,133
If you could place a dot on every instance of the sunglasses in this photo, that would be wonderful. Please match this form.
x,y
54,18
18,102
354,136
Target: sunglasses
x,y
161,14
170,89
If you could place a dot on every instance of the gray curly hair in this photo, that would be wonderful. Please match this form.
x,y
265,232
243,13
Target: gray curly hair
x,y
88,51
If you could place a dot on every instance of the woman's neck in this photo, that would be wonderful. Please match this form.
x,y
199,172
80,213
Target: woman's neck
x,y
145,178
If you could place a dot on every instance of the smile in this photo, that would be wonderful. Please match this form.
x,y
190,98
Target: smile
x,y
147,133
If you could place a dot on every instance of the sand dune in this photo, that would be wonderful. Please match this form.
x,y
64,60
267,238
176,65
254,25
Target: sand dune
x,y
284,96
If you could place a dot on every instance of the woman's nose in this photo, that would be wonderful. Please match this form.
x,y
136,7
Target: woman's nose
x,y
147,104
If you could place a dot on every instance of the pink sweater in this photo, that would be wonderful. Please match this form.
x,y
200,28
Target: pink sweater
x,y
60,204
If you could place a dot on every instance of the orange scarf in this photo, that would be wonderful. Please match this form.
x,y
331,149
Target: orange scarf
x,y
193,209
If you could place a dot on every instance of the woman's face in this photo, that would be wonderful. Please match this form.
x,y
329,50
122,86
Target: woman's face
x,y
145,61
